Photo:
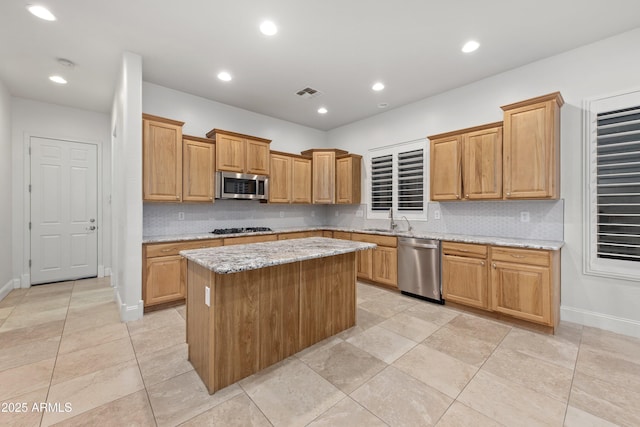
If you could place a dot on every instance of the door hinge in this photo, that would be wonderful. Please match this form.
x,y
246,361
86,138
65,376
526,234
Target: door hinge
x,y
29,188
29,263
29,225
29,150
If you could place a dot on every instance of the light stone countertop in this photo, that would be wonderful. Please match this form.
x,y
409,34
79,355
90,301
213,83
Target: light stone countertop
x,y
251,256
552,245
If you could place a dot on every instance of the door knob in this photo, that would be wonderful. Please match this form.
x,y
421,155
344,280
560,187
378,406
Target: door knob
x,y
93,227
92,220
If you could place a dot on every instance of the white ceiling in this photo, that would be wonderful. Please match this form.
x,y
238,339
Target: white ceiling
x,y
340,47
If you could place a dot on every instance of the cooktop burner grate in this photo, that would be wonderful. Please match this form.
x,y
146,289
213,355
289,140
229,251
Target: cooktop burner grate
x,y
240,230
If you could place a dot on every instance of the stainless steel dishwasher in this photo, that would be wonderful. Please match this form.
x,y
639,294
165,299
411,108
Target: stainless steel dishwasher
x,y
419,268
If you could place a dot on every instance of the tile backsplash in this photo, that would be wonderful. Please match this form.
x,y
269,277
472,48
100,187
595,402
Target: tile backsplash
x,y
497,218
163,218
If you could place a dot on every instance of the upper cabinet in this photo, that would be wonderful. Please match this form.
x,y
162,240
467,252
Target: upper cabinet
x,y
198,156
532,148
241,153
348,172
467,164
161,159
289,179
323,188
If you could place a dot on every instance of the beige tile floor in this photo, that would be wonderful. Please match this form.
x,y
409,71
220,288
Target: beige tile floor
x,y
406,363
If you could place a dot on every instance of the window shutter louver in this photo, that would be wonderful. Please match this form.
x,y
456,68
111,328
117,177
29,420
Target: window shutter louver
x,y
618,184
411,180
382,183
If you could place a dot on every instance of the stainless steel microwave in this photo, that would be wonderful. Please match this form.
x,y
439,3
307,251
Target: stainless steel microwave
x,y
231,185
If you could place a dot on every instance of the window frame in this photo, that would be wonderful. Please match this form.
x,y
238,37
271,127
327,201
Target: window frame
x,y
394,150
592,265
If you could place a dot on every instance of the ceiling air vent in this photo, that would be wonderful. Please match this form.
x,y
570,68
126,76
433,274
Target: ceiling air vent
x,y
308,92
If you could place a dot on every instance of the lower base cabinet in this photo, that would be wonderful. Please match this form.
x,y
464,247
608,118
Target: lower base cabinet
x,y
379,265
519,283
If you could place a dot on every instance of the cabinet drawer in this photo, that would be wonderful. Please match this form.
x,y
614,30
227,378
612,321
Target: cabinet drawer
x,y
521,256
299,235
464,249
250,239
379,240
166,249
342,235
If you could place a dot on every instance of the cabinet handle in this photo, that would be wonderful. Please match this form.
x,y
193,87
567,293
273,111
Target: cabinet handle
x,y
457,196
482,263
517,256
493,265
466,196
167,250
464,250
508,194
177,197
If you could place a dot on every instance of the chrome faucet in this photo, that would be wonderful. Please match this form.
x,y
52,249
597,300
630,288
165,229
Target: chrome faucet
x,y
392,224
409,227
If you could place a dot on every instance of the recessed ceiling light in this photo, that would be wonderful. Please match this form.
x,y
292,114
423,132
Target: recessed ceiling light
x,y
322,110
470,46
377,86
41,12
58,79
268,28
224,76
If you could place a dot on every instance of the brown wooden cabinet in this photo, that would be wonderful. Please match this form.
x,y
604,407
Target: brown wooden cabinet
x,y
323,188
348,177
518,283
250,239
198,161
379,265
532,148
467,164
163,273
465,274
290,178
525,284
240,153
300,235
161,159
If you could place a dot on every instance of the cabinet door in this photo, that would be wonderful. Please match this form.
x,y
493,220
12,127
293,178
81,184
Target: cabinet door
x,y
324,179
257,161
280,179
164,279
446,159
230,153
521,291
385,265
300,180
531,151
464,280
364,264
482,166
198,171
348,177
161,161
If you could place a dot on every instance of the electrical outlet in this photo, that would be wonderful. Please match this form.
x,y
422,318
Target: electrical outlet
x,y
180,216
436,214
359,213
281,214
524,216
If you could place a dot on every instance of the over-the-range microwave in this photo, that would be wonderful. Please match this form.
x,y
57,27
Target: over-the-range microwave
x,y
232,185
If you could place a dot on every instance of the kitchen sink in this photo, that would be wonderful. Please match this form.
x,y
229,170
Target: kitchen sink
x,y
386,230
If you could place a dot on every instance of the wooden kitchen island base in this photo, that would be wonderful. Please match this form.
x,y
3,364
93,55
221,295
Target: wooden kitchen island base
x,y
260,317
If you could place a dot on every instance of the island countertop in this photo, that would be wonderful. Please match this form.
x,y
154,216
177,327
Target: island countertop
x,y
252,256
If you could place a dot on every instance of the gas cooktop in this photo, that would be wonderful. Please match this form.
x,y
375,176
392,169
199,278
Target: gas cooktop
x,y
240,230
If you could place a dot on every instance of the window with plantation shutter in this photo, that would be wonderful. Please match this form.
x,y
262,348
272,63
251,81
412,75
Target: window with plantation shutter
x,y
614,186
398,180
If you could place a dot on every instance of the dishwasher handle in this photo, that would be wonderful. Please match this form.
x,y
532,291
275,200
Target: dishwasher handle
x,y
419,245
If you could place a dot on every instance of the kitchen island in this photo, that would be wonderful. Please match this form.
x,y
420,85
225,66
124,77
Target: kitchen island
x,y
250,306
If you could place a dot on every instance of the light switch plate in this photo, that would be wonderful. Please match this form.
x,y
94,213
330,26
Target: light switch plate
x,y
180,216
436,214
207,296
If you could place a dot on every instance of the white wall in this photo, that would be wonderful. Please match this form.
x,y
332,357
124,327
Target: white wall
x,y
201,115
32,118
604,67
6,274
126,202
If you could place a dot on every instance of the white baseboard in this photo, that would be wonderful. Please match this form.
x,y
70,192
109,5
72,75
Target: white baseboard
x,y
25,281
616,324
107,271
129,312
6,288
100,270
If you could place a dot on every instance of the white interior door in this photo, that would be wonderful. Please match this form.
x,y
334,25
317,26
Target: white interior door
x,y
64,238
